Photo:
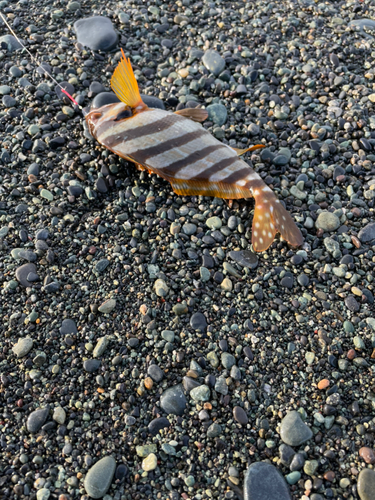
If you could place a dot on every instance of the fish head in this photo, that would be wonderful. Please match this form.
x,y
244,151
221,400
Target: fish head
x,y
106,116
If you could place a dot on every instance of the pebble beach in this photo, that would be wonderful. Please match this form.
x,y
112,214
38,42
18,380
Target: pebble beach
x,y
146,352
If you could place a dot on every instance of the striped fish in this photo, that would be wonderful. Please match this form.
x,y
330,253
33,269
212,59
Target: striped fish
x,y
177,148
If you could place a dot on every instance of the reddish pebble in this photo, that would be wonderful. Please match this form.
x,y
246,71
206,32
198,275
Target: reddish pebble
x,y
20,403
148,383
367,454
92,250
351,354
323,384
356,242
357,212
329,476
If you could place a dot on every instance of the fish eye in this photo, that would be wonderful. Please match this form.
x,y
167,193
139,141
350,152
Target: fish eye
x,y
126,113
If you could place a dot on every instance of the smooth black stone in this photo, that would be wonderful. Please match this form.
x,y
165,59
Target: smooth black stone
x,y
121,472
75,190
96,88
218,277
263,481
133,342
157,424
352,304
286,454
367,233
303,280
298,461
91,365
287,281
52,287
41,234
248,353
296,260
68,326
198,321
56,142
156,373
244,258
32,277
223,344
101,185
105,98
207,261
36,419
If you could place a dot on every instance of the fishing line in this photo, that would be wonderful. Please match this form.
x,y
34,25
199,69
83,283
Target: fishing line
x,y
37,62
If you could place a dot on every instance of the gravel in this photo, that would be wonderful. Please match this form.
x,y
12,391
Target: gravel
x,y
137,326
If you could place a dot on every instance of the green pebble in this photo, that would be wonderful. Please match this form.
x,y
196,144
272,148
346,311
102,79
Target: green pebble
x,y
214,223
358,342
190,481
33,316
33,129
293,477
310,467
348,327
205,274
44,193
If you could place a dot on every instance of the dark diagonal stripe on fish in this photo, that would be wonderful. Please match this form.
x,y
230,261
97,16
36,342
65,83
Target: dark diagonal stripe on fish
x,y
174,168
143,131
166,146
216,167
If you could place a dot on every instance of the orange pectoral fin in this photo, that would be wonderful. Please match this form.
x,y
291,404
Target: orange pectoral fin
x,y
125,85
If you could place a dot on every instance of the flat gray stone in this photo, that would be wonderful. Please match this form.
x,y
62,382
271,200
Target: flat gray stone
x,y
213,61
217,113
36,419
22,347
264,482
327,221
11,42
96,32
293,430
99,477
244,258
22,273
366,484
367,233
68,326
173,400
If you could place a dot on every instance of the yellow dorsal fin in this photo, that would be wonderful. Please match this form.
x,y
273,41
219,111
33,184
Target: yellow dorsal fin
x,y
124,84
252,148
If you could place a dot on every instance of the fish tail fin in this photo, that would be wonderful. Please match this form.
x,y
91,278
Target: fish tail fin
x,y
125,85
270,217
